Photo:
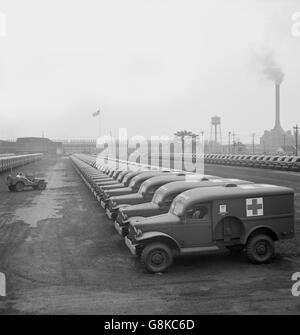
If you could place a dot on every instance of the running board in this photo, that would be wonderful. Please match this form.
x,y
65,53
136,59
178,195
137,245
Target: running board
x,y
198,249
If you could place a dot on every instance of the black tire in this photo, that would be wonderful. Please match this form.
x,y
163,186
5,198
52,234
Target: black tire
x,y
11,188
235,249
156,257
260,249
41,185
19,187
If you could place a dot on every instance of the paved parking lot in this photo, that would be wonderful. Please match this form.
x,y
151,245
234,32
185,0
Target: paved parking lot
x,y
61,255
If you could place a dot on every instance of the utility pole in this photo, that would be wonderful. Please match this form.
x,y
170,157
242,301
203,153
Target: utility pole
x,y
296,137
233,141
202,142
264,146
202,136
253,138
229,134
284,136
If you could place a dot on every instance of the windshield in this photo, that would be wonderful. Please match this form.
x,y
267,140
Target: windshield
x,y
132,182
144,186
157,198
177,206
127,177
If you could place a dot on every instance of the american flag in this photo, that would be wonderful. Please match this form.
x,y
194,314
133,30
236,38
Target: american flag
x,y
96,113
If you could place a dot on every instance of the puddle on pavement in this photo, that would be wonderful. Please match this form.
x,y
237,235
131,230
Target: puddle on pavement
x,y
45,206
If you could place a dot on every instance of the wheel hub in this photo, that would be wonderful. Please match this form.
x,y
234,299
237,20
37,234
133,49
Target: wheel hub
x,y
261,249
157,258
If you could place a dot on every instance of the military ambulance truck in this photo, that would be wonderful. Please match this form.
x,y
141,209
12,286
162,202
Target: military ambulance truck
x,y
117,180
117,175
98,179
163,198
133,186
250,217
104,190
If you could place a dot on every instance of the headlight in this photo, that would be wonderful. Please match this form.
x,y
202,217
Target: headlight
x,y
113,203
124,216
138,232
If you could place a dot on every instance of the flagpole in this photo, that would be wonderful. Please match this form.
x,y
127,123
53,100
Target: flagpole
x,y
99,123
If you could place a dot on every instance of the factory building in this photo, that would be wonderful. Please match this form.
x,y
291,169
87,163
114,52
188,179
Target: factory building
x,y
276,139
24,145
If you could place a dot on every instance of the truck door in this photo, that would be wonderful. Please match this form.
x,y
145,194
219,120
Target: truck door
x,y
196,226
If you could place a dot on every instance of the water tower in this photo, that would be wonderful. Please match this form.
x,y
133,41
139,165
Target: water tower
x,y
215,130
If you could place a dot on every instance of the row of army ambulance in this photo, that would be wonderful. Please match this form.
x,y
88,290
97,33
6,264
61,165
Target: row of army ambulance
x,y
162,214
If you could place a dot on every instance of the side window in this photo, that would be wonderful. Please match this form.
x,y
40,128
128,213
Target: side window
x,y
168,200
198,212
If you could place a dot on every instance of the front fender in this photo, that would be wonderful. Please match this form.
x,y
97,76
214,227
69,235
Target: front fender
x,y
133,219
153,235
116,208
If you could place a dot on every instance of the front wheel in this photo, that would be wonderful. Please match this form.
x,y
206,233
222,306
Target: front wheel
x,y
156,257
19,187
260,249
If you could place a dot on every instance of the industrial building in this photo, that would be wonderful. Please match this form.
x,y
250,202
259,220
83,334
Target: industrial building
x,y
277,140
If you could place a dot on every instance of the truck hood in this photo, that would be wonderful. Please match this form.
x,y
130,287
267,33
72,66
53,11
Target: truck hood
x,y
111,186
104,178
119,191
128,199
157,220
140,208
109,182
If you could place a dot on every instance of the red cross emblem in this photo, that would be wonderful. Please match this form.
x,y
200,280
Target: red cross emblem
x,y
254,207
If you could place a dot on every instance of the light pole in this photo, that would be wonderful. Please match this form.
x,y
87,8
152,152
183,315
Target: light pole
x,y
202,136
202,140
253,137
296,138
233,142
229,134
284,136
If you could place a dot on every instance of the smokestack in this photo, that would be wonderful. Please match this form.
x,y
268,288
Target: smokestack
x,y
277,108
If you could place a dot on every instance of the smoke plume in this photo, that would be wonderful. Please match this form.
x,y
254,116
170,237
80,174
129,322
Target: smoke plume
x,y
268,66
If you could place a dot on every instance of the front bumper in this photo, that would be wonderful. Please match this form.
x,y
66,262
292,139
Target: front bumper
x,y
112,215
119,228
102,203
130,245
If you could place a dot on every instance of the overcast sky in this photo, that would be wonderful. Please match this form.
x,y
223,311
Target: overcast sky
x,y
153,66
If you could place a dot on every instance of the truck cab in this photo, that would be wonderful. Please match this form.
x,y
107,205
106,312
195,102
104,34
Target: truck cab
x,y
250,217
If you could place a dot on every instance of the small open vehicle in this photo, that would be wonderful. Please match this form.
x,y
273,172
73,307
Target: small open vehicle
x,y
20,181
